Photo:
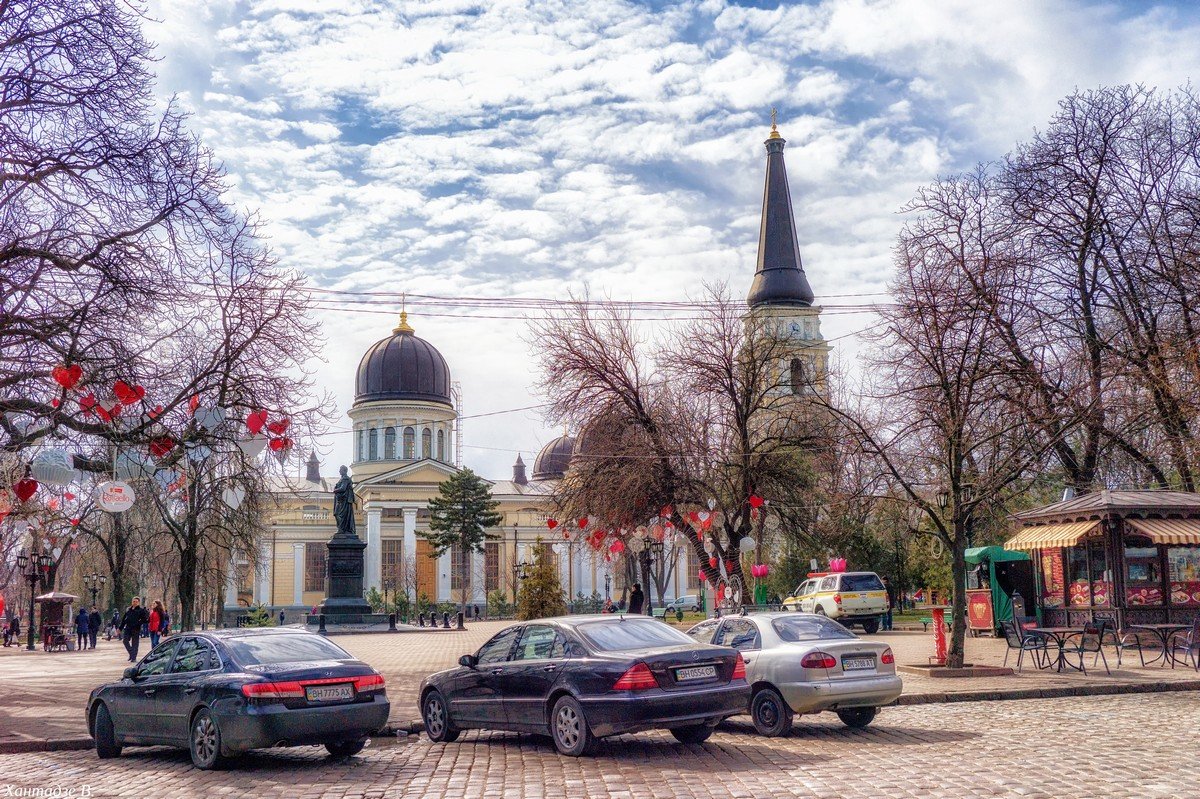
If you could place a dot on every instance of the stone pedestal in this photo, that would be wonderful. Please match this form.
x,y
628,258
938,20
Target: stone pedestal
x,y
344,603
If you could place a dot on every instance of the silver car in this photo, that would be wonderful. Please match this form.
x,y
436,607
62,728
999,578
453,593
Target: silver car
x,y
805,663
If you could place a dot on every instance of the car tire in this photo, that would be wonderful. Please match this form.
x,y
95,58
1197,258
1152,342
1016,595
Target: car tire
x,y
569,728
692,734
436,715
346,748
870,627
204,742
771,715
820,611
102,731
857,717
695,608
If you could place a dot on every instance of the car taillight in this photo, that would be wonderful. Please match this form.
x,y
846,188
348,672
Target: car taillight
x,y
837,598
887,656
369,682
739,668
273,691
818,660
637,678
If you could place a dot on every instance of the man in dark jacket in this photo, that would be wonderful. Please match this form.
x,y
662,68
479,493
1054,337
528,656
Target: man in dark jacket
x,y
81,630
94,622
636,598
131,627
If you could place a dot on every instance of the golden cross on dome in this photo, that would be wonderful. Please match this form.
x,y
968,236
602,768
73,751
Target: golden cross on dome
x,y
774,123
404,326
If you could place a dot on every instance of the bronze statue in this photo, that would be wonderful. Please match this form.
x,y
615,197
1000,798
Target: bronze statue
x,y
343,505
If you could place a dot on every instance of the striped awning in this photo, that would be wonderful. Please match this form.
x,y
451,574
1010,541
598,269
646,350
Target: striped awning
x,y
1049,536
1168,531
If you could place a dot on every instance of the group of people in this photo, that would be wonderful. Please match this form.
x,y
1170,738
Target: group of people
x,y
87,627
137,621
12,631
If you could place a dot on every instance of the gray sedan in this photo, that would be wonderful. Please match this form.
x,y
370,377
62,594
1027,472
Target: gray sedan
x,y
805,663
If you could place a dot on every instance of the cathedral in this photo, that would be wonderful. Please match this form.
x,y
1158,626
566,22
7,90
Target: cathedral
x,y
404,427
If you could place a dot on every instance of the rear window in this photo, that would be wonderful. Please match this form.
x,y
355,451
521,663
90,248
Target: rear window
x,y
861,582
808,628
261,649
609,636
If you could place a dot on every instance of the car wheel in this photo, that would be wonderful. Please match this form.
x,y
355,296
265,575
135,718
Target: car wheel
x,y
692,734
204,743
820,611
106,738
346,748
436,714
569,728
771,715
870,627
695,608
857,717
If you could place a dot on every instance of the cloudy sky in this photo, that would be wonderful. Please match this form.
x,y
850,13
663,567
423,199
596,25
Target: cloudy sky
x,y
532,149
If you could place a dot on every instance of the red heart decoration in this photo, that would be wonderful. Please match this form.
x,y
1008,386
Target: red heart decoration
x,y
159,447
280,427
52,504
154,413
694,516
278,444
104,414
75,522
706,524
712,563
255,421
566,536
729,566
756,501
127,394
87,403
67,376
25,489
193,404
68,496
754,513
54,403
552,523
583,523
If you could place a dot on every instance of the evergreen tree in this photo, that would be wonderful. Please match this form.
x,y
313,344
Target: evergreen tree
x,y
459,516
541,594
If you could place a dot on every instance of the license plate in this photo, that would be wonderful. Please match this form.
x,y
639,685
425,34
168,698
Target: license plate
x,y
695,673
329,693
852,664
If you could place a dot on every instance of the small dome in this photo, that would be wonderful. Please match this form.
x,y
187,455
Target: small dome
x,y
403,367
552,462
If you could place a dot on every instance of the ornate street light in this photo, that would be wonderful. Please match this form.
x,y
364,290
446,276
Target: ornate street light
x,y
651,547
607,585
387,586
95,583
32,566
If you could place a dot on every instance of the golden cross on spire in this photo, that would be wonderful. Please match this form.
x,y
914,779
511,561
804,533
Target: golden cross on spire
x,y
774,123
404,326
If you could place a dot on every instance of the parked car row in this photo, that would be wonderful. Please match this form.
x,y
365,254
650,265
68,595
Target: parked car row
x,y
577,679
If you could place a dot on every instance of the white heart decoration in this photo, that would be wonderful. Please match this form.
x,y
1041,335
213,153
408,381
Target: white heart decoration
x,y
210,418
253,446
712,503
746,544
56,552
233,496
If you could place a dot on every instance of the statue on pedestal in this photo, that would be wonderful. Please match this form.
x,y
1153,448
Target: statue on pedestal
x,y
344,601
343,505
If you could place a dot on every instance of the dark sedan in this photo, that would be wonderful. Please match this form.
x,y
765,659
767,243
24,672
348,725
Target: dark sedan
x,y
583,678
225,692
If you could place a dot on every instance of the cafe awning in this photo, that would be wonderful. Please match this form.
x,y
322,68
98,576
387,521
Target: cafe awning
x,y
1051,536
1168,531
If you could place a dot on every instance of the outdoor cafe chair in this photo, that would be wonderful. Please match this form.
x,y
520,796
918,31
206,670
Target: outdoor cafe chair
x,y
1088,642
1023,642
1188,643
1121,639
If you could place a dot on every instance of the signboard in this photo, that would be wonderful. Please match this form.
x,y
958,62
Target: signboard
x,y
114,496
979,609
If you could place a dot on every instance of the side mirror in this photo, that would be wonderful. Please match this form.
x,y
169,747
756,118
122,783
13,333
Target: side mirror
x,y
130,673
468,661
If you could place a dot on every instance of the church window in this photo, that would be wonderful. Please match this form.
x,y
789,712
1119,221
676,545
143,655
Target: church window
x,y
392,562
797,375
441,455
389,443
373,438
410,443
361,435
315,554
456,567
426,443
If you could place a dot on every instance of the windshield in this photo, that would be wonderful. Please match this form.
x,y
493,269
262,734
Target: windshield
x,y
298,648
809,628
609,636
861,582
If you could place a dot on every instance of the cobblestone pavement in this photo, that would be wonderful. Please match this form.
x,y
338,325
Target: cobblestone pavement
x,y
42,695
1111,746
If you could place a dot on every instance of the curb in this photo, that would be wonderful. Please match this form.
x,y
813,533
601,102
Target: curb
x,y
52,745
1048,693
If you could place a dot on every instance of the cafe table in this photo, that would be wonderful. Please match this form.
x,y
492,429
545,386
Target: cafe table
x,y
1163,631
1059,635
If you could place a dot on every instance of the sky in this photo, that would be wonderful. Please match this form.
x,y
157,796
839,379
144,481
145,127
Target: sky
x,y
543,149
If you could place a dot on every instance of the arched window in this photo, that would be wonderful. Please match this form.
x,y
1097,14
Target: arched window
x,y
441,456
362,440
373,446
797,375
426,443
389,443
410,443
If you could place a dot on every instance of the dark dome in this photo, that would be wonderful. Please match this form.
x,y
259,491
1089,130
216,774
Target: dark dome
x,y
551,463
402,367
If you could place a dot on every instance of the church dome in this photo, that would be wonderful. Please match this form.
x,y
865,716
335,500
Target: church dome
x,y
403,367
551,463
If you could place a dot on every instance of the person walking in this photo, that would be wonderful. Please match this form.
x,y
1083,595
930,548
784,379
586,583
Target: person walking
x,y
164,625
81,629
154,623
891,604
114,625
94,622
131,627
636,599
281,618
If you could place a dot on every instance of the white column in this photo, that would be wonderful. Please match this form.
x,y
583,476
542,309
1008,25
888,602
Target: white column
x,y
681,569
478,570
231,583
410,532
262,582
374,554
444,594
298,575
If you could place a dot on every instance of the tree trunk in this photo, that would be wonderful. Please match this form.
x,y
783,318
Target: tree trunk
x,y
464,576
189,565
958,602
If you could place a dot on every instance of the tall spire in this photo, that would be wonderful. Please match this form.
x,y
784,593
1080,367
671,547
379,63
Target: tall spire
x,y
779,275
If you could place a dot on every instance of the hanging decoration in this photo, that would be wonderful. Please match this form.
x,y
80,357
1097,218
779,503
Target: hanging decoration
x,y
583,523
552,523
712,504
53,467
5,505
25,489
703,577
161,446
252,447
279,427
616,547
67,376
712,562
746,544
115,496
210,418
87,404
197,452
193,404
256,421
129,465
756,501
233,496
127,394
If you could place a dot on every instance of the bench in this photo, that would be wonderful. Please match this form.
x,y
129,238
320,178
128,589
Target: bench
x,y
928,620
659,613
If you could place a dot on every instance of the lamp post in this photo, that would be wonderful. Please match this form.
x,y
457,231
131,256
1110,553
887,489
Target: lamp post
x,y
650,547
607,584
31,566
387,586
94,582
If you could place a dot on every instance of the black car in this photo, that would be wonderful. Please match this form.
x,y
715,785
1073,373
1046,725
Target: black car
x,y
228,691
583,678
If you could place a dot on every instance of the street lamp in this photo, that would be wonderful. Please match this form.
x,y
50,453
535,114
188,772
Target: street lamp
x,y
607,584
943,499
651,546
94,582
31,566
387,586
